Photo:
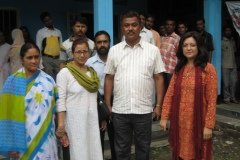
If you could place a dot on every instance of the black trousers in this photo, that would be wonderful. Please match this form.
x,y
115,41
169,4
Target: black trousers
x,y
110,131
167,78
125,127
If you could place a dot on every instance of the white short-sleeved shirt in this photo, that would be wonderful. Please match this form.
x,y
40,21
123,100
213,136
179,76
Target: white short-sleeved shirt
x,y
133,69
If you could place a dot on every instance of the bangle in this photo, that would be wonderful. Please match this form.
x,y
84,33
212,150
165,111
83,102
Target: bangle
x,y
157,105
60,132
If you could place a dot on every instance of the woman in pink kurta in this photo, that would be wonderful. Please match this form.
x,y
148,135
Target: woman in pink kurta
x,y
190,102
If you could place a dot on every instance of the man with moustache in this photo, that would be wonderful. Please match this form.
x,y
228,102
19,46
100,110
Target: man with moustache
x,y
79,29
134,67
98,62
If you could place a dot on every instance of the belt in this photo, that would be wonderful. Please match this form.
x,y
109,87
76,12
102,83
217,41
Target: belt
x,y
54,57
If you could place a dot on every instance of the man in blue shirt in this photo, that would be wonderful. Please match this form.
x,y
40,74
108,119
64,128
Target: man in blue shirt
x,y
98,62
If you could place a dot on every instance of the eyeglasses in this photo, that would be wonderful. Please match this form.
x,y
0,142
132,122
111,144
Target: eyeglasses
x,y
84,52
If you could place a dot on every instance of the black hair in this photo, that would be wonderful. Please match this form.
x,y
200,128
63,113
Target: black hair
x,y
170,19
44,14
27,31
202,56
200,19
131,14
182,22
78,41
141,13
24,28
26,47
82,20
102,32
150,15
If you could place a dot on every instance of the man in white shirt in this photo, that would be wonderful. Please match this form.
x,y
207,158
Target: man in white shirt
x,y
79,29
145,33
132,68
149,25
49,40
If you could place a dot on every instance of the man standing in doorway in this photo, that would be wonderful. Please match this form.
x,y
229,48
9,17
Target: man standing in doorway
x,y
49,40
132,68
149,25
207,37
79,29
182,28
168,49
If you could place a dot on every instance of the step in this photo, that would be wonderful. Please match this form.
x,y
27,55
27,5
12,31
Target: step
x,y
157,134
154,144
228,122
229,110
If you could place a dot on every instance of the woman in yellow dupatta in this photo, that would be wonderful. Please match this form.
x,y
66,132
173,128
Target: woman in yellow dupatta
x,y
77,106
27,106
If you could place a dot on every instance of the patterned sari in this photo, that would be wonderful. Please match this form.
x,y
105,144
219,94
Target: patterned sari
x,y
27,107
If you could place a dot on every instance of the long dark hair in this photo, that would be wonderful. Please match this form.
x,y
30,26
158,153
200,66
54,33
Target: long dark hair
x,y
202,56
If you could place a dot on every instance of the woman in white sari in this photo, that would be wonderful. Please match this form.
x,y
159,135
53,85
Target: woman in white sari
x,y
27,107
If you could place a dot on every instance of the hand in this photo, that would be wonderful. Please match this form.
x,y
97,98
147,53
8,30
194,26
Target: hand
x,y
163,124
110,108
64,140
103,125
207,133
157,112
14,154
60,132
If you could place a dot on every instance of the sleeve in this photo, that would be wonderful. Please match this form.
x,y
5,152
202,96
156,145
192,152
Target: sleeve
x,y
63,53
211,97
62,81
159,65
152,40
60,36
167,102
110,67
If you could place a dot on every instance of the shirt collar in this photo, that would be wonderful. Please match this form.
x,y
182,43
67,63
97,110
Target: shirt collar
x,y
144,29
49,29
226,39
139,44
97,59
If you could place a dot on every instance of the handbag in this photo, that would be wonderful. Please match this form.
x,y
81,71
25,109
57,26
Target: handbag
x,y
103,111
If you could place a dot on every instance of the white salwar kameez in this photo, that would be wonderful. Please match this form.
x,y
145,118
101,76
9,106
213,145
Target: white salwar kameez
x,y
81,117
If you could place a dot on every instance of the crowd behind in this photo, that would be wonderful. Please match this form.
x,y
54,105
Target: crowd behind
x,y
151,74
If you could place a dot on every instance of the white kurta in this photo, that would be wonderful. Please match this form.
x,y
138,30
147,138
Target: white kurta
x,y
81,117
4,65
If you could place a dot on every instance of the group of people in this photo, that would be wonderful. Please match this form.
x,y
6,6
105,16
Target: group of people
x,y
144,76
